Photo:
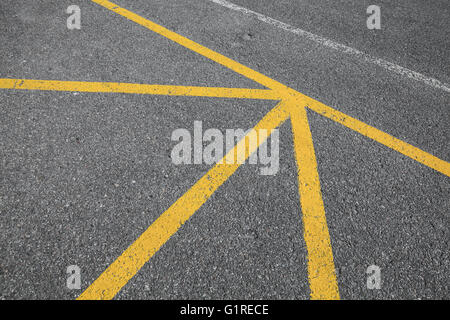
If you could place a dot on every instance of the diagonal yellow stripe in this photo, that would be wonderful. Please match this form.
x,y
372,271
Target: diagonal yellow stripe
x,y
188,91
378,135
193,46
321,270
128,264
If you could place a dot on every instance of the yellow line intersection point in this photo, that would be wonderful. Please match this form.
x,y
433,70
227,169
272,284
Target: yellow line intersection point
x,y
321,269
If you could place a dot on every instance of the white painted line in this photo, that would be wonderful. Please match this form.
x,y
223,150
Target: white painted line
x,y
339,47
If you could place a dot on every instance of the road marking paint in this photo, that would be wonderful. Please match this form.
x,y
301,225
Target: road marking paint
x,y
321,270
128,264
322,277
134,88
339,47
375,134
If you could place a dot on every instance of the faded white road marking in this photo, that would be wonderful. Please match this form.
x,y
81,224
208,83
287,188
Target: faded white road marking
x,y
339,47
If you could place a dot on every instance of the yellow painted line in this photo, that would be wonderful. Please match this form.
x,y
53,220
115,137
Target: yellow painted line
x,y
373,133
321,270
128,264
135,88
193,46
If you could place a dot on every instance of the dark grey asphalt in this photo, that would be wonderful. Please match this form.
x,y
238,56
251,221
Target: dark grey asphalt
x,y
83,175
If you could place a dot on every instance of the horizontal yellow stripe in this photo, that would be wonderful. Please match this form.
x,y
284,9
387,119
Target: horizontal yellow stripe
x,y
128,264
188,91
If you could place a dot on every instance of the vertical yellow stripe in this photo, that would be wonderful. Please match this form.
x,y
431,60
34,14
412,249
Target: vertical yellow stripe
x,y
128,264
321,270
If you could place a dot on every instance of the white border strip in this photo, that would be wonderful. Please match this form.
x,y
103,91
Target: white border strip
x,y
339,47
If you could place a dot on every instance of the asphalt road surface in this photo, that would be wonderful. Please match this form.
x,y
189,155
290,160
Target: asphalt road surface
x,y
84,174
